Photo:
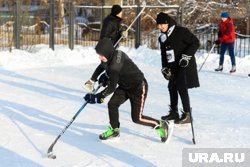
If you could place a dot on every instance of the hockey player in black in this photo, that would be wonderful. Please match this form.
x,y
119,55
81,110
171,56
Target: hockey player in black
x,y
178,46
124,79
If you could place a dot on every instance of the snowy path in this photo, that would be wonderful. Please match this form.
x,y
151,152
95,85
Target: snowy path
x,y
41,91
36,104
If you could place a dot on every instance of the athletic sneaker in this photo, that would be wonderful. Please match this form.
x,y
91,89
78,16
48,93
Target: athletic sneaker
x,y
162,129
110,133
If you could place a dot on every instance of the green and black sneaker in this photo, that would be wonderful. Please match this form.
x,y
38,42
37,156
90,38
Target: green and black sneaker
x,y
165,130
110,133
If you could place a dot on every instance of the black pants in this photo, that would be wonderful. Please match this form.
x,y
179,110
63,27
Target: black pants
x,y
137,97
183,92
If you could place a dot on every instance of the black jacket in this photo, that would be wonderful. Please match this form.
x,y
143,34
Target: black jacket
x,y
180,41
111,28
120,68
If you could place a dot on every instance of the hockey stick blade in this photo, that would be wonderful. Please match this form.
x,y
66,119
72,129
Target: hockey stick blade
x,y
50,150
144,4
51,155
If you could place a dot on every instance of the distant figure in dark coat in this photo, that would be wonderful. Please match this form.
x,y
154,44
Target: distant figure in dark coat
x,y
111,29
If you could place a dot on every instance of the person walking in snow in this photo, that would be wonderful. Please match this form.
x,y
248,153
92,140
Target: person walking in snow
x,y
226,37
125,80
111,29
178,46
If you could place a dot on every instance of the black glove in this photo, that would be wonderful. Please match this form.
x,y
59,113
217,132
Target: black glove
x,y
167,73
90,98
94,98
99,98
184,61
103,79
217,42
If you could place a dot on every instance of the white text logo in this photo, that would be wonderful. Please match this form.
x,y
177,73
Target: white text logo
x,y
215,158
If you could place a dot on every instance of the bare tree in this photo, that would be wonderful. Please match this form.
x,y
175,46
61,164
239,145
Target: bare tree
x,y
60,13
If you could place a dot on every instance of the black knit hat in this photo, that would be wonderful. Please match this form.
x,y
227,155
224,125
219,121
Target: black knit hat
x,y
162,18
116,9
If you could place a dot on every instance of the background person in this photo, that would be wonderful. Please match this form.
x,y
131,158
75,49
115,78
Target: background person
x,y
226,37
111,30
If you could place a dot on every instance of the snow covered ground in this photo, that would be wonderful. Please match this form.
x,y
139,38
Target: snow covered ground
x,y
42,90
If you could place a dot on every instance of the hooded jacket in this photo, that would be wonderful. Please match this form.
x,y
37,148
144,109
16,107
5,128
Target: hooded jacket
x,y
179,40
120,68
227,31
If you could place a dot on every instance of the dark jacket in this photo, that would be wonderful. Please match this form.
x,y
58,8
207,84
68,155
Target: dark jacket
x,y
120,68
227,31
111,28
180,41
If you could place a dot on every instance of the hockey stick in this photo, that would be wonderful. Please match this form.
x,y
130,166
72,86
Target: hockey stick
x,y
143,8
207,57
192,126
50,150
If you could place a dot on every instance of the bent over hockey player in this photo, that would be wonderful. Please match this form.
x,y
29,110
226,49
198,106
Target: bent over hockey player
x,y
123,78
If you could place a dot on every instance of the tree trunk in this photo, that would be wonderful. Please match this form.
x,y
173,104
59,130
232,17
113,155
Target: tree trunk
x,y
60,14
248,19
